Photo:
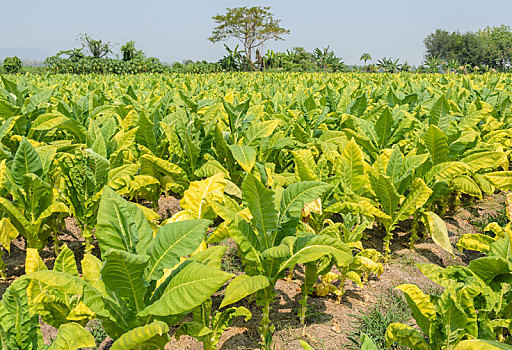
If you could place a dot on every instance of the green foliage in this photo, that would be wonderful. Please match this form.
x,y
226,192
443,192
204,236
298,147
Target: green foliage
x,y
253,26
12,64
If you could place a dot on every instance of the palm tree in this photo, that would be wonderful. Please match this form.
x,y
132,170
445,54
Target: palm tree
x,y
365,57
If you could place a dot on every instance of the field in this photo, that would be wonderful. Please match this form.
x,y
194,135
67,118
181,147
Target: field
x,y
244,211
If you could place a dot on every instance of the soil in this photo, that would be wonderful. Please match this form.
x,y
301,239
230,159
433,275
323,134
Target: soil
x,y
329,322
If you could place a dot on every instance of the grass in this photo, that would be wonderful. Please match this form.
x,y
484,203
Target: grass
x,y
390,308
482,221
96,329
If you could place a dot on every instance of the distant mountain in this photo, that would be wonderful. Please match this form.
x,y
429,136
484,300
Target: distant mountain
x,y
24,53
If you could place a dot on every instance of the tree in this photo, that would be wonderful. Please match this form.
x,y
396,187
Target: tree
x,y
253,26
97,48
12,64
130,52
365,57
498,46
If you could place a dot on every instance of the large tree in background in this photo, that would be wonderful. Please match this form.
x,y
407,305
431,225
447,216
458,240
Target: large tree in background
x,y
253,26
97,48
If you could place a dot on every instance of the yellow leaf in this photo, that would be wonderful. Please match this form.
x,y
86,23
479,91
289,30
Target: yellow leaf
x,y
7,233
194,199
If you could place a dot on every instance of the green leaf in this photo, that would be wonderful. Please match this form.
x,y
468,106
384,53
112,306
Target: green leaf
x,y
189,288
244,155
438,231
423,310
305,166
72,336
19,329
386,194
261,204
149,336
488,268
122,273
405,336
475,241
437,144
242,286
116,228
25,161
350,169
383,127
368,343
308,249
260,130
501,179
482,344
173,241
211,256
91,271
297,195
65,262
417,197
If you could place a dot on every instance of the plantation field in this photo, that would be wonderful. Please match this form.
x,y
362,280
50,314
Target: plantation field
x,y
243,211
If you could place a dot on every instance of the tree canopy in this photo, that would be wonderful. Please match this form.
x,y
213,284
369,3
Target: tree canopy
x,y
491,46
253,26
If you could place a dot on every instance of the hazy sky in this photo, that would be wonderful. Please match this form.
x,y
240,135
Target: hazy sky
x,y
178,30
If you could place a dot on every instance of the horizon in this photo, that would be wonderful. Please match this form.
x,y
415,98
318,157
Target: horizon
x,y
381,29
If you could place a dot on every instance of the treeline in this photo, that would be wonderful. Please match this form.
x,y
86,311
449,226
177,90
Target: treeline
x,y
486,50
489,48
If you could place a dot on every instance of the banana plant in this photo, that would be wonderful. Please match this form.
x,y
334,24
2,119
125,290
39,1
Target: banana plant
x,y
141,286
31,196
269,242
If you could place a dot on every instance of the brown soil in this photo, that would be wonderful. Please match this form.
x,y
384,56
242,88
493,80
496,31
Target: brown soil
x,y
329,322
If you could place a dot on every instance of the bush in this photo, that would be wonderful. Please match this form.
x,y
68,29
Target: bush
x,y
12,65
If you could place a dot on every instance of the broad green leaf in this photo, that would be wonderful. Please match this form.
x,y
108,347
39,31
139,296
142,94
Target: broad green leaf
x,y
242,286
305,166
116,228
489,267
173,241
189,288
423,310
405,336
261,204
467,185
481,344
25,161
308,249
383,127
91,271
122,273
437,144
65,261
297,195
417,197
19,328
350,168
501,179
386,194
72,336
260,130
245,156
150,336
211,256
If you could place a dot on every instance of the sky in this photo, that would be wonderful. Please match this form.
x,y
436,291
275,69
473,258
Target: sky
x,y
177,30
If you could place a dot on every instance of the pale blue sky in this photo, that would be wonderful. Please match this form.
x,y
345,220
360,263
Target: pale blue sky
x,y
178,30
